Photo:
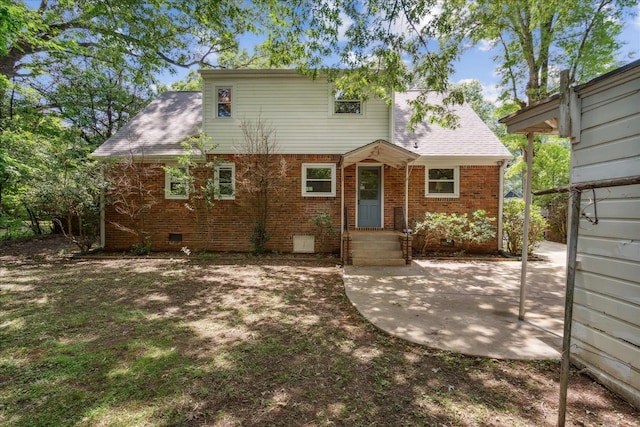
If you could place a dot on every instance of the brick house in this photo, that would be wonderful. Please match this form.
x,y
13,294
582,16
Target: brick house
x,y
353,160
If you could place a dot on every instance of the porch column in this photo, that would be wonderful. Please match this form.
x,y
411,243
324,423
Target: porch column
x,y
525,231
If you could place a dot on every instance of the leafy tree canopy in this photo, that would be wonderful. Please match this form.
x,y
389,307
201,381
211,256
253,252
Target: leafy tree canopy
x,y
535,40
148,34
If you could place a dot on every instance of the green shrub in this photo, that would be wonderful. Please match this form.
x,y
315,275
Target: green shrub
x,y
460,230
259,240
513,226
324,228
142,248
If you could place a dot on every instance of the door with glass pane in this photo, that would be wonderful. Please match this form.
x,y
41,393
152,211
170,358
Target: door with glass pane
x,y
369,196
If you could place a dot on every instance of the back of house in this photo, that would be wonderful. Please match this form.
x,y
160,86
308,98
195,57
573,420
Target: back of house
x,y
348,165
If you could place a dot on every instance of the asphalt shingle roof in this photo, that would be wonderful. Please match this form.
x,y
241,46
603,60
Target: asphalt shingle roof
x,y
158,129
471,138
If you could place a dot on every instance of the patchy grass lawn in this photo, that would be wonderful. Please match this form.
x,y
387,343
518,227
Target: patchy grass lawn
x,y
159,342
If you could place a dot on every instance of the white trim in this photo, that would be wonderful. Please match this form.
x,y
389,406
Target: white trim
x,y
364,165
167,184
456,182
303,179
447,161
216,178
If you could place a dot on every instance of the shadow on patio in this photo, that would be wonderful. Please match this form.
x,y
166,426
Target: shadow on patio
x,y
469,307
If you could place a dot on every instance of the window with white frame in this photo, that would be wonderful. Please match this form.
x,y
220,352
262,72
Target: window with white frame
x,y
442,182
176,184
346,105
225,181
318,179
224,101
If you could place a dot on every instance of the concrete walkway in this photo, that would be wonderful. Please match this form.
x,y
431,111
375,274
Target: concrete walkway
x,y
469,307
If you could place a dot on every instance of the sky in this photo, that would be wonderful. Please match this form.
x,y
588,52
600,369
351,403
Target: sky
x,y
477,63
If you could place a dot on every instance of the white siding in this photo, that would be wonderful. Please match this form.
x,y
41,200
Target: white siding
x,y
298,109
606,327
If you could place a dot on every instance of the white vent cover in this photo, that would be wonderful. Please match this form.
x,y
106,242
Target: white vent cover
x,y
303,244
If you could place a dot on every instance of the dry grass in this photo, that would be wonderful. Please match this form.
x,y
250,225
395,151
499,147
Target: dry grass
x,y
189,342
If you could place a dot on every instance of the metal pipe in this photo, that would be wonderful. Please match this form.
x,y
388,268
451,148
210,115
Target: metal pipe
x,y
527,218
572,251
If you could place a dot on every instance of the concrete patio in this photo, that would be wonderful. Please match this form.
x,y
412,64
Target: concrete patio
x,y
469,307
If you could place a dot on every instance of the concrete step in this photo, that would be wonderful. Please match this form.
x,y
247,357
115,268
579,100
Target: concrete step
x,y
374,237
378,262
378,254
366,245
376,248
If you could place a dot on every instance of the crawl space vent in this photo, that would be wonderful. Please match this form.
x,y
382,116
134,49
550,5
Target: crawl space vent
x,y
303,244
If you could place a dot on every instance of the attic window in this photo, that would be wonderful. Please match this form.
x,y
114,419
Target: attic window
x,y
346,105
224,102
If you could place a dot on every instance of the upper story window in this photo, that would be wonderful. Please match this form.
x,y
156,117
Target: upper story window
x,y
318,179
176,186
225,181
346,105
224,104
442,182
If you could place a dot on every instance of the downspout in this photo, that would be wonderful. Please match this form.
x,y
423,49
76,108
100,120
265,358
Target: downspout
x,y
342,209
102,208
406,197
405,217
503,166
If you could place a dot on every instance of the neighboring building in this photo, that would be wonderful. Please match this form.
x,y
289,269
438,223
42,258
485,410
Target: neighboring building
x,y
605,135
353,160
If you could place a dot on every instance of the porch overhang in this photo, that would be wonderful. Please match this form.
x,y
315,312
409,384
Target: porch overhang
x,y
539,118
381,151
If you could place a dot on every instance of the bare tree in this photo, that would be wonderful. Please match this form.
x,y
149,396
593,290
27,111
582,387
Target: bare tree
x,y
197,173
131,193
260,174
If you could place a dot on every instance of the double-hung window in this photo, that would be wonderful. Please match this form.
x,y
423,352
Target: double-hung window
x,y
176,185
318,179
224,101
225,181
346,105
442,182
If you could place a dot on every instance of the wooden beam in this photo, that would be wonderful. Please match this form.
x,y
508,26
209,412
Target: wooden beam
x,y
588,185
572,250
564,122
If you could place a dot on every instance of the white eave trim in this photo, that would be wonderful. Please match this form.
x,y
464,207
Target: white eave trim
x,y
461,160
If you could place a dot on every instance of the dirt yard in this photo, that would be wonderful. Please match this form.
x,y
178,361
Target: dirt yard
x,y
235,341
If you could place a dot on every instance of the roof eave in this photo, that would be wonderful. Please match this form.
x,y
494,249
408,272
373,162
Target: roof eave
x,y
382,151
541,117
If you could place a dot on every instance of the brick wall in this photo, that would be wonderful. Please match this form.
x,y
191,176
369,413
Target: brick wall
x,y
228,225
479,189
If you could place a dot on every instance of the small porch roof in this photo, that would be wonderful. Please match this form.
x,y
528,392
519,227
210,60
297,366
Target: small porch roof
x,y
539,118
382,151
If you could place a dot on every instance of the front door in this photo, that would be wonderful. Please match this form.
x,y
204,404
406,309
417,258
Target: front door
x,y
369,196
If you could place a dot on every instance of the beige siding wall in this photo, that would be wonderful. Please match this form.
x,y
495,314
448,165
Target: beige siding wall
x,y
298,109
606,328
